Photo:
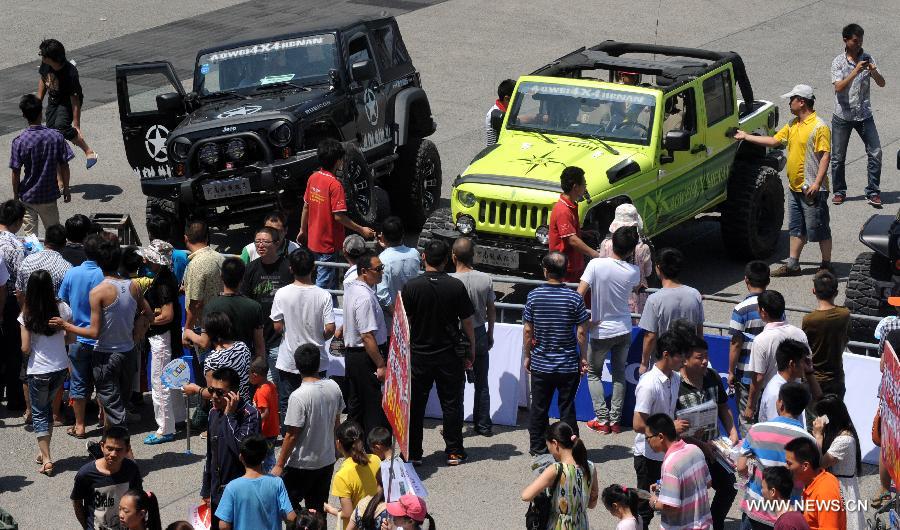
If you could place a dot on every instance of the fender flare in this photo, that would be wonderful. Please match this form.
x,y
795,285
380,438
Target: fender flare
x,y
402,111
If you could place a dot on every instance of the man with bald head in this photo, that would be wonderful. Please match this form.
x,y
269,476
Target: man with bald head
x,y
481,292
554,348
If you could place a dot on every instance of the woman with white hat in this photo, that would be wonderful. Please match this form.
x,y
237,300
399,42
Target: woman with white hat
x,y
162,295
627,215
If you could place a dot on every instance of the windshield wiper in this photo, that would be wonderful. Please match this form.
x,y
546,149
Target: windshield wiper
x,y
282,84
226,93
539,133
608,147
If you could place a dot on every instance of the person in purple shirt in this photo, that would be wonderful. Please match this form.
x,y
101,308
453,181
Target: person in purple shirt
x,y
45,155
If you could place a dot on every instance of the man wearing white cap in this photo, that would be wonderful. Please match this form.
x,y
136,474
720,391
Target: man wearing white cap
x,y
808,141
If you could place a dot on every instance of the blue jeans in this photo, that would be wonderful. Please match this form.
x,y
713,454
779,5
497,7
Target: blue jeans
x,y
481,409
271,359
618,348
41,390
810,222
82,378
326,277
840,137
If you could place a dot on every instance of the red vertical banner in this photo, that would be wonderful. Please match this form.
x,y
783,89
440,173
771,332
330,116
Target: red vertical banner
x,y
890,412
395,399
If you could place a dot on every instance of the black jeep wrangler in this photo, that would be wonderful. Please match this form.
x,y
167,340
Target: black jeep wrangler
x,y
244,140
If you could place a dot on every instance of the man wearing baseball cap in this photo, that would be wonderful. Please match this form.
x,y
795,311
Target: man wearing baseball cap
x,y
409,512
808,142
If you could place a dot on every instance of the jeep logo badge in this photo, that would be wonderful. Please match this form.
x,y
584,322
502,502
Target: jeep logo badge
x,y
371,106
155,143
244,110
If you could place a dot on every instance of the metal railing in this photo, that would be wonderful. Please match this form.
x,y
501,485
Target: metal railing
x,y
503,307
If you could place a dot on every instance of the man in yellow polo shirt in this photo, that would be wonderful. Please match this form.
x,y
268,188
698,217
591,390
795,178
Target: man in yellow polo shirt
x,y
808,141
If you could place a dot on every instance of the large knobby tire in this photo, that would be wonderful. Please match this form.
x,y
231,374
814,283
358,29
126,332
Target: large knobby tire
x,y
173,213
439,219
864,296
753,214
359,186
415,185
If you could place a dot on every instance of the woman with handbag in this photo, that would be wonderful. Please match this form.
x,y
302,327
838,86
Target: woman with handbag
x,y
572,481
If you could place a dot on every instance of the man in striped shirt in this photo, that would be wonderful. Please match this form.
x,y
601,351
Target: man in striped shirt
x,y
764,444
554,348
745,325
682,497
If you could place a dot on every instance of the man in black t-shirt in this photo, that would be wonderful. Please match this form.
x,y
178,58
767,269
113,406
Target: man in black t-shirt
x,y
265,275
59,82
436,304
99,485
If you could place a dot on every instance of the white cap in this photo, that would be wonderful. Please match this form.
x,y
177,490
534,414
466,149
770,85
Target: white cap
x,y
803,91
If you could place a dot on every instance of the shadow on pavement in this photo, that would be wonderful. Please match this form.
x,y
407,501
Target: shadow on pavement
x,y
167,461
608,453
97,192
14,483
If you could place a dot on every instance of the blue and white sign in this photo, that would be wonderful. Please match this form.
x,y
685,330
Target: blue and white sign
x,y
176,374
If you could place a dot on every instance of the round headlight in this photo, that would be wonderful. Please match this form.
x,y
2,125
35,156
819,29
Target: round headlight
x,y
465,224
209,154
466,198
180,149
542,234
236,149
280,135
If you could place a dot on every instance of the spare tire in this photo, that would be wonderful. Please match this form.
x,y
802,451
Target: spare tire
x,y
754,212
359,186
439,219
415,182
865,297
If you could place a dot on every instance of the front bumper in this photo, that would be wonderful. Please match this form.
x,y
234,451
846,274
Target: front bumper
x,y
499,254
265,180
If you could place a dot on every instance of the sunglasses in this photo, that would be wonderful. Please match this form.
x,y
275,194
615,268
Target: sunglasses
x,y
379,268
217,392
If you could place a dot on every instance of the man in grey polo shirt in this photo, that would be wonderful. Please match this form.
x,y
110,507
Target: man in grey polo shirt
x,y
851,72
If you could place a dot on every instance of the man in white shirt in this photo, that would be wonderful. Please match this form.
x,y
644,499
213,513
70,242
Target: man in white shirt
x,y
611,281
303,313
365,340
793,360
657,393
762,366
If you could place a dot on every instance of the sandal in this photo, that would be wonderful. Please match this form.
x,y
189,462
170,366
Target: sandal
x,y
39,460
71,432
47,469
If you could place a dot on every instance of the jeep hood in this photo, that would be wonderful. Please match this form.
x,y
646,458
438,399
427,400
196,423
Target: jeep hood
x,y
264,105
531,161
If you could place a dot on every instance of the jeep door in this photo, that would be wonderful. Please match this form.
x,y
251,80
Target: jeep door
x,y
369,97
151,105
721,118
680,176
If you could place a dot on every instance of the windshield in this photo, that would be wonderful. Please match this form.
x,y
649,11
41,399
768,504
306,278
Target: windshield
x,y
583,111
301,61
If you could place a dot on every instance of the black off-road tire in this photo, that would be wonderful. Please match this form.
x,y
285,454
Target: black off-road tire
x,y
439,219
359,186
863,295
170,210
754,212
415,183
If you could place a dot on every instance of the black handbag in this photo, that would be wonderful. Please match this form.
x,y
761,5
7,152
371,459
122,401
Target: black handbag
x,y
538,515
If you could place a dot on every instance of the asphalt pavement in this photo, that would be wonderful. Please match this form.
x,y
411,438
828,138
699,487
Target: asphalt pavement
x,y
462,49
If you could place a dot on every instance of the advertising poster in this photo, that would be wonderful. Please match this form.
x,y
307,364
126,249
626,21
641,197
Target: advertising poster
x,y
395,400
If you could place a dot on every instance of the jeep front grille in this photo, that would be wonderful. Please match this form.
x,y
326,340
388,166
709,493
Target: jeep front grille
x,y
512,216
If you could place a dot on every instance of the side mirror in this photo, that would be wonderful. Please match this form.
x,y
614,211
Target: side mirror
x,y
677,141
170,103
362,71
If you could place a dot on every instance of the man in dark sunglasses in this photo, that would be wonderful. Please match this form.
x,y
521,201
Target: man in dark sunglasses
x,y
231,421
365,339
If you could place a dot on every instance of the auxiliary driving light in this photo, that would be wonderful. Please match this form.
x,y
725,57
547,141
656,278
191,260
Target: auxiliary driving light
x,y
465,224
236,149
209,154
542,234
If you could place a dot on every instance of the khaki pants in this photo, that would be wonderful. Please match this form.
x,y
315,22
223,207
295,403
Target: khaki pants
x,y
48,212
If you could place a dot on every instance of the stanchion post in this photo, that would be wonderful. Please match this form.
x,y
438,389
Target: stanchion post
x,y
187,424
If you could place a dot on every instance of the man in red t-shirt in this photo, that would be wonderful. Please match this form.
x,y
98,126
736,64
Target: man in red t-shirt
x,y
565,230
324,214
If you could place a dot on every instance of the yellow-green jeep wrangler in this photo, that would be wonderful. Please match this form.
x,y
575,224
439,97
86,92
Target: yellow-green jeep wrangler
x,y
663,143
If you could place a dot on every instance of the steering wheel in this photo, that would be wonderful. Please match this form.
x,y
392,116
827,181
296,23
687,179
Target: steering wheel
x,y
631,124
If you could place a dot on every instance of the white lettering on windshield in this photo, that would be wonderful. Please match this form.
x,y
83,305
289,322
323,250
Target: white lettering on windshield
x,y
265,47
589,93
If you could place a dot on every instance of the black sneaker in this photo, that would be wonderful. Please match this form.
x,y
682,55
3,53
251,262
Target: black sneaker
x,y
93,449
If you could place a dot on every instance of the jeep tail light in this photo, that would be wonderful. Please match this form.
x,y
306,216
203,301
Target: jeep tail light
x,y
286,152
179,170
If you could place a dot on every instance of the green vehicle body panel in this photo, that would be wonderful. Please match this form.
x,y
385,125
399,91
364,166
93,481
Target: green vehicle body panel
x,y
520,175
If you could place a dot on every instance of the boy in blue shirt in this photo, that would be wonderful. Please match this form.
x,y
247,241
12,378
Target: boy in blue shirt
x,y
250,501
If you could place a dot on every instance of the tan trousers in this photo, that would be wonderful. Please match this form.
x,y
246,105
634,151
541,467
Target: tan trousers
x,y
48,212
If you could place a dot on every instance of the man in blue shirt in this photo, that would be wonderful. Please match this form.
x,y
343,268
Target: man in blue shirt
x,y
248,501
75,290
554,347
401,264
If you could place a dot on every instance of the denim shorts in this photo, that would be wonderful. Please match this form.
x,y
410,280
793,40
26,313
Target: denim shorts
x,y
42,388
81,378
809,221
